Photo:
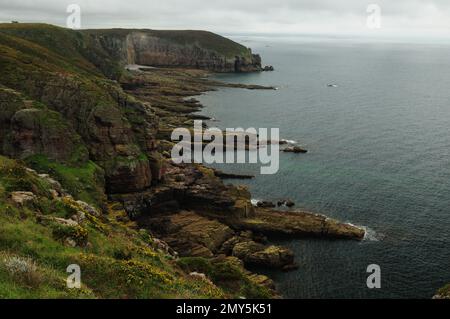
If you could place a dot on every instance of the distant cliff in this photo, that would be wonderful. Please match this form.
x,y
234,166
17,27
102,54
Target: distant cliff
x,y
195,49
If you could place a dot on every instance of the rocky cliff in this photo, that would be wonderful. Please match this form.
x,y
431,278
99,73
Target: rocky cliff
x,y
92,182
192,49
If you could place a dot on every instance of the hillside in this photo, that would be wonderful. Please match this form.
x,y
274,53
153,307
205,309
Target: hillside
x,y
109,48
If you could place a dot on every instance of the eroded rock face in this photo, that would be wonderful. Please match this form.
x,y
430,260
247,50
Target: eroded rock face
x,y
26,130
190,234
22,198
35,131
111,129
197,49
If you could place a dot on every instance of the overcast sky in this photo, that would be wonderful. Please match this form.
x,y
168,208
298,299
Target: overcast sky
x,y
404,18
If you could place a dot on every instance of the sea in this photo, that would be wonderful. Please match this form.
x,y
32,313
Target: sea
x,y
375,119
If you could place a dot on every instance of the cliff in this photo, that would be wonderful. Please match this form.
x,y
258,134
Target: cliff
x,y
86,175
188,49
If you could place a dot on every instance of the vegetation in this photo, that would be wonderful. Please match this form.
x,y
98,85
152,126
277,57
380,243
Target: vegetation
x,y
116,261
77,128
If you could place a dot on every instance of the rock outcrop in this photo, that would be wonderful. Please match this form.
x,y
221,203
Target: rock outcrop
x,y
298,224
256,254
294,149
188,49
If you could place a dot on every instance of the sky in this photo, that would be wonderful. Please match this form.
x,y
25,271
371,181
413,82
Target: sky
x,y
396,18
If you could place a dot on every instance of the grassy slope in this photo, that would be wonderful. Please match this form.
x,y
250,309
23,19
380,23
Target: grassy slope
x,y
73,44
118,261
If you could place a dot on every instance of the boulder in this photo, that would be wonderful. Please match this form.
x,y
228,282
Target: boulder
x,y
65,222
285,202
265,204
22,198
253,253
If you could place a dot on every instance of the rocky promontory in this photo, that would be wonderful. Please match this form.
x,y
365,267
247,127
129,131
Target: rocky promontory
x,y
187,49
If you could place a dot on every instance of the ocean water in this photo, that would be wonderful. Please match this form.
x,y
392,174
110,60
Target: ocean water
x,y
379,147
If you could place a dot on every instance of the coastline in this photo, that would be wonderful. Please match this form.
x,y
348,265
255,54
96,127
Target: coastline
x,y
253,227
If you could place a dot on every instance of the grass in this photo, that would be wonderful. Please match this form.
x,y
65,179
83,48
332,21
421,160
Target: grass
x,y
116,261
226,273
30,241
84,182
68,77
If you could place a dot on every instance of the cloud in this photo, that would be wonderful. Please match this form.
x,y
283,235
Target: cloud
x,y
400,17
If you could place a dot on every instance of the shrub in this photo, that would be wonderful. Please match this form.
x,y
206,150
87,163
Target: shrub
x,y
77,233
23,269
122,254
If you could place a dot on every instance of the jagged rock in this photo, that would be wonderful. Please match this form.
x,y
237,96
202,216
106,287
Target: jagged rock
x,y
294,149
65,222
443,293
22,198
88,208
285,202
268,68
44,132
224,175
157,166
129,175
164,247
79,217
265,204
253,253
298,224
200,276
189,233
262,280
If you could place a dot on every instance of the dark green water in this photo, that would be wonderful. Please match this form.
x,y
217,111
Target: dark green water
x,y
379,156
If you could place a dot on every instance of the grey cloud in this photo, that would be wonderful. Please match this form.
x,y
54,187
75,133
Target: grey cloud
x,y
233,16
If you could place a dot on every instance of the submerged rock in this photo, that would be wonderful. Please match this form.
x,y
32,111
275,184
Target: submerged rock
x,y
294,149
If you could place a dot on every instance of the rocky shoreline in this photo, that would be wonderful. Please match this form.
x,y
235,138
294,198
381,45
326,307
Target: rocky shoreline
x,y
193,211
74,113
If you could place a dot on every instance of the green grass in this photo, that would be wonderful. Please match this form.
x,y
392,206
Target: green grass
x,y
116,261
226,274
28,233
84,182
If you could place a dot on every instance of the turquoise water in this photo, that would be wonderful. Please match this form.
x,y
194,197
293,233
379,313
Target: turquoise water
x,y
379,157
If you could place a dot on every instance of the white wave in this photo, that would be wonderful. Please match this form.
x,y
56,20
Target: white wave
x,y
289,141
371,235
255,201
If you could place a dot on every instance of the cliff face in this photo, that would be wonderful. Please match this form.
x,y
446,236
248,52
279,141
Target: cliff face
x,y
193,49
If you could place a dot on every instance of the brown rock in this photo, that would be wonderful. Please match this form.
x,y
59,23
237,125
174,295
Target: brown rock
x,y
189,233
298,224
253,253
22,198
